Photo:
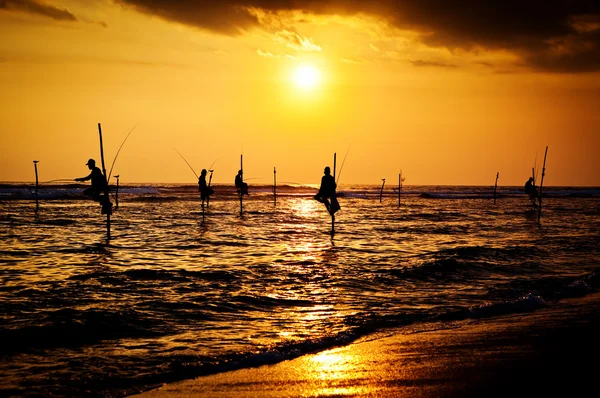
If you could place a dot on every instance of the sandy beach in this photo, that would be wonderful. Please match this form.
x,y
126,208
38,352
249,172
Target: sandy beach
x,y
550,352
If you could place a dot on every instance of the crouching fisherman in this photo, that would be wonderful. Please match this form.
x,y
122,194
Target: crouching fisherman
x,y
326,194
98,188
531,190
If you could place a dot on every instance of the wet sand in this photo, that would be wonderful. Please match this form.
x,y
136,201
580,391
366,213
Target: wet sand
x,y
550,352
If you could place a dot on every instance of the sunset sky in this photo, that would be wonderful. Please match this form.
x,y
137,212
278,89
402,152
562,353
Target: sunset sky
x,y
449,92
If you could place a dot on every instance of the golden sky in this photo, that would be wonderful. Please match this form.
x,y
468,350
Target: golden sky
x,y
448,92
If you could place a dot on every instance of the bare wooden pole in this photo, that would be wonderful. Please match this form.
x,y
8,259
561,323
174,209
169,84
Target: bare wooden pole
x,y
496,186
117,193
106,185
332,216
274,186
381,191
541,184
37,203
241,190
399,186
209,181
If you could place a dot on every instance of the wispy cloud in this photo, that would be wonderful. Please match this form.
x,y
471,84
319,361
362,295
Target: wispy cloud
x,y
436,64
296,42
265,54
38,8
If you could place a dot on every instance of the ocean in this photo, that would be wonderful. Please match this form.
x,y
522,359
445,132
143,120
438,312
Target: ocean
x,y
176,293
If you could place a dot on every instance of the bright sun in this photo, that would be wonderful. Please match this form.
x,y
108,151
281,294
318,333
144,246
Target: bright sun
x,y
306,76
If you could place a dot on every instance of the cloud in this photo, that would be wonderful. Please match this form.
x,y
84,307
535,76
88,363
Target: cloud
x,y
349,61
37,8
296,42
265,54
548,35
374,47
420,62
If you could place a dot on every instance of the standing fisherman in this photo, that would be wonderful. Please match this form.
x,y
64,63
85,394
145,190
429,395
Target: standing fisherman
x,y
98,187
205,190
326,194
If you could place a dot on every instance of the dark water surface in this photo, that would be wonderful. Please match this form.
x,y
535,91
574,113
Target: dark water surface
x,y
171,296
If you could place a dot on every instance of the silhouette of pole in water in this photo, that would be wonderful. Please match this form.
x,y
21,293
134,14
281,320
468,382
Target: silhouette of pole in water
x,y
274,186
541,184
117,193
241,189
399,189
381,191
37,203
106,185
209,181
335,187
496,186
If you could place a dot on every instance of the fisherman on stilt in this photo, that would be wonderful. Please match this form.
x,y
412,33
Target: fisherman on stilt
x,y
240,185
531,190
205,190
98,187
326,194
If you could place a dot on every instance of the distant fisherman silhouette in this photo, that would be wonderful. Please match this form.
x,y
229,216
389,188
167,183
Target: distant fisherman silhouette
x,y
241,186
205,190
531,190
98,186
326,194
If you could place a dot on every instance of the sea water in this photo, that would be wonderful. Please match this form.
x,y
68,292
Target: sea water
x,y
176,292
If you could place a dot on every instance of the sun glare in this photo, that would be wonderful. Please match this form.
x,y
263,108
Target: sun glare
x,y
306,76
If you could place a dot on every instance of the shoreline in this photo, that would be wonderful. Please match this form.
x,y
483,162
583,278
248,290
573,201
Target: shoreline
x,y
549,352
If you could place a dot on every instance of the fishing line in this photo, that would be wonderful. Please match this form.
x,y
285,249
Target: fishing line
x,y
213,163
115,159
342,166
190,166
59,180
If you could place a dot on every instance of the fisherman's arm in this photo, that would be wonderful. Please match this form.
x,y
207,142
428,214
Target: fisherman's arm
x,y
81,179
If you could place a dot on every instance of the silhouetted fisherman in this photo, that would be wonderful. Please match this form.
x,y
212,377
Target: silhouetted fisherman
x,y
240,185
326,192
531,190
98,187
205,190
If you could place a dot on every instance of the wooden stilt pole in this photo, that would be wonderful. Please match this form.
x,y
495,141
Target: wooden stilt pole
x,y
332,216
117,193
541,184
106,198
274,186
399,186
209,181
37,203
241,191
381,191
496,186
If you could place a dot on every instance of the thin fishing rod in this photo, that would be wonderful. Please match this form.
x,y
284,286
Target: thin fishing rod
x,y
190,166
60,180
211,166
342,166
117,155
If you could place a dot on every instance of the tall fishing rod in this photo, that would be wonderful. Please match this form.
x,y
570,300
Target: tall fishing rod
x,y
117,155
190,166
342,166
